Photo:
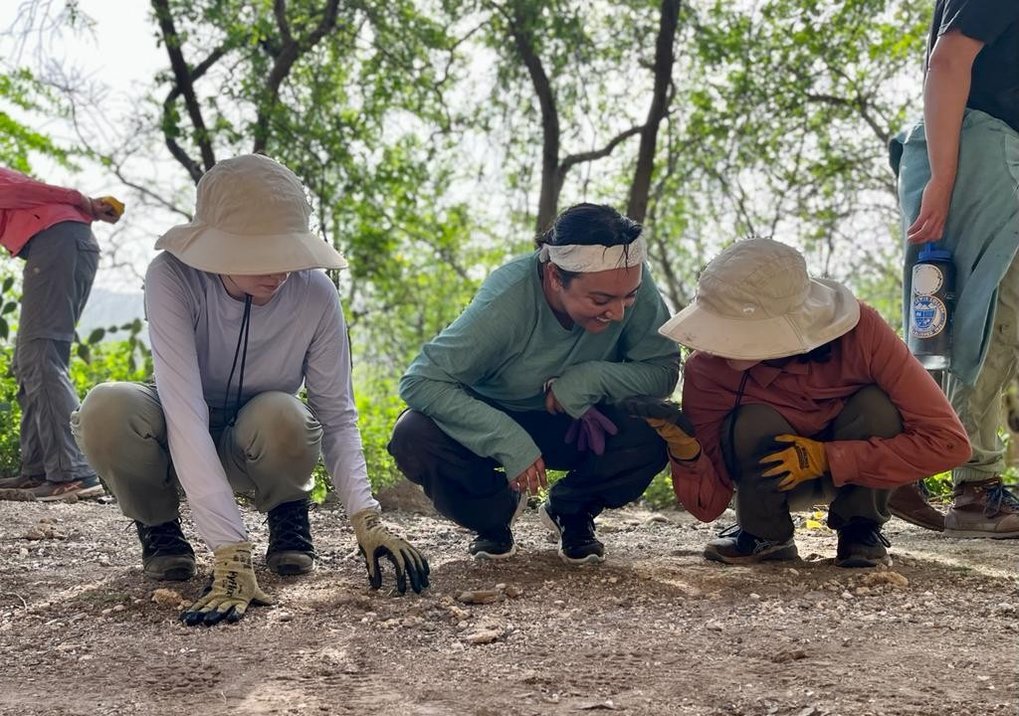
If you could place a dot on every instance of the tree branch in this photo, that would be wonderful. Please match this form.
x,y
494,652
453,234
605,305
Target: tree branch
x,y
289,53
185,84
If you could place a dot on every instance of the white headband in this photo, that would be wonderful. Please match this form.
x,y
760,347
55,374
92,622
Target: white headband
x,y
591,258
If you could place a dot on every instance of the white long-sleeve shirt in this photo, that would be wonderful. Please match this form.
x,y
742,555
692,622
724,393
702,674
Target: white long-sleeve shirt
x,y
299,336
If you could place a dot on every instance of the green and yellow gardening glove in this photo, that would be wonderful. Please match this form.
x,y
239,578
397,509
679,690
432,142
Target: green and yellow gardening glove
x,y
233,588
375,541
803,460
669,422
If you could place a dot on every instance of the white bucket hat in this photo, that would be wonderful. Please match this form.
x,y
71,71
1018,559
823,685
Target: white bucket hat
x,y
251,217
755,301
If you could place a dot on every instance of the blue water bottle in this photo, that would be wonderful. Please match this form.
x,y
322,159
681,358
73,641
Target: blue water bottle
x,y
932,298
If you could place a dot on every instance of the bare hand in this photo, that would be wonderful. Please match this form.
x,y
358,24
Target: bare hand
x,y
930,223
532,479
551,403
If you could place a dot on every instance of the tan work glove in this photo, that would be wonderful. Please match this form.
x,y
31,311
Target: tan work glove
x,y
669,422
232,589
374,541
803,460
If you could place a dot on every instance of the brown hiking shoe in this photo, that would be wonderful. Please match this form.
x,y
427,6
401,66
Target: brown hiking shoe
x,y
21,482
909,503
983,509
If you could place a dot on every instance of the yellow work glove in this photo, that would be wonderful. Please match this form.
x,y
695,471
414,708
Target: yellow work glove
x,y
232,589
375,541
669,422
803,460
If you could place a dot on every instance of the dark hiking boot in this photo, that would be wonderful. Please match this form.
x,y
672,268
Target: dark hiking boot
x,y
497,544
290,548
983,509
861,544
577,543
734,545
166,554
909,503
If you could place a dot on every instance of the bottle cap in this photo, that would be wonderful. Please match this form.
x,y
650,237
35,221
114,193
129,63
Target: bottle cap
x,y
930,252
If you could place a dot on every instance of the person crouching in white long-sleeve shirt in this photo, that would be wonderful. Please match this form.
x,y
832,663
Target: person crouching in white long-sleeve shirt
x,y
238,320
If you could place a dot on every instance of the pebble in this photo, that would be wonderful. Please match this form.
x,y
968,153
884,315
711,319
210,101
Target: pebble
x,y
483,636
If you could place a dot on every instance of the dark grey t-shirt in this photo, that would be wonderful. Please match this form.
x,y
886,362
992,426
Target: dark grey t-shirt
x,y
995,87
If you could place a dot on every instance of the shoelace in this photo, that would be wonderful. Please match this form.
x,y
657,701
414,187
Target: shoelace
x,y
290,529
1000,496
163,538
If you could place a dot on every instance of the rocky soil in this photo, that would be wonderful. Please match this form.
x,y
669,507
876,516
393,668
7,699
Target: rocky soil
x,y
655,630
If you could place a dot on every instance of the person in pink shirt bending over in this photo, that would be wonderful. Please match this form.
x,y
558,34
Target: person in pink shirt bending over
x,y
796,395
49,227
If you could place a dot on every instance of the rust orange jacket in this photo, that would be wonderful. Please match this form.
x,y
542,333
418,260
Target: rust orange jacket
x,y
810,396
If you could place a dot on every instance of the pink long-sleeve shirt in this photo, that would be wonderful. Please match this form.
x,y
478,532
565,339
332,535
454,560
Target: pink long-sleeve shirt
x,y
810,396
28,206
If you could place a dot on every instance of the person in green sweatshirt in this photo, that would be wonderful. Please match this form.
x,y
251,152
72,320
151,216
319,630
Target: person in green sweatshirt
x,y
526,379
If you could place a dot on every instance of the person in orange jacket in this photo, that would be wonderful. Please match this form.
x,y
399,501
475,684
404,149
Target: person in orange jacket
x,y
797,394
49,227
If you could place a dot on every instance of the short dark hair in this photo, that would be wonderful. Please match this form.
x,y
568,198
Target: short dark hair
x,y
589,225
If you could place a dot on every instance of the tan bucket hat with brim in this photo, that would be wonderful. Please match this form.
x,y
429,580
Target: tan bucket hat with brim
x,y
755,301
251,218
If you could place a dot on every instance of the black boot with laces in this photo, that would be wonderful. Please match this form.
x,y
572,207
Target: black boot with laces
x,y
166,554
861,544
290,548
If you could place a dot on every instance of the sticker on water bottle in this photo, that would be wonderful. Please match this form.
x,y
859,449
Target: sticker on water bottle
x,y
928,317
927,279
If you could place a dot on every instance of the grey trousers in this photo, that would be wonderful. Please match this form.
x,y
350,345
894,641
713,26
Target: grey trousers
x,y
268,453
762,509
60,265
980,406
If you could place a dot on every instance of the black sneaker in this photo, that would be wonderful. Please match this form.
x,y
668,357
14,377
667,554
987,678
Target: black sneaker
x,y
861,544
498,544
290,548
577,543
166,554
734,545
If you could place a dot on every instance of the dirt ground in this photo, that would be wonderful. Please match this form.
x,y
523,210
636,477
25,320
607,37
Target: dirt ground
x,y
654,630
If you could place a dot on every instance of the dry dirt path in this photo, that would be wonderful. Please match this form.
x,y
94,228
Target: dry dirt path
x,y
655,630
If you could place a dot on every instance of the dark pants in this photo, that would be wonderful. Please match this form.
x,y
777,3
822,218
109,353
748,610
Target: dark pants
x,y
762,509
60,264
474,492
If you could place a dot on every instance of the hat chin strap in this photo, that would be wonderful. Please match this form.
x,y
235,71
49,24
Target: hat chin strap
x,y
584,258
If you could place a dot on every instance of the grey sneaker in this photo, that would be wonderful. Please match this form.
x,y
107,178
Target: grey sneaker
x,y
166,554
734,545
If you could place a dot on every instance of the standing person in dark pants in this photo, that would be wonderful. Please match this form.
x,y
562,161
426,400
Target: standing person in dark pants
x,y
49,227
959,185
800,395
521,382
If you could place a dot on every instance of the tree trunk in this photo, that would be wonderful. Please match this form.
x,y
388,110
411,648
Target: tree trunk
x,y
636,207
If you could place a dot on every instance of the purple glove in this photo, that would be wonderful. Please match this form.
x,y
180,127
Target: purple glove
x,y
589,431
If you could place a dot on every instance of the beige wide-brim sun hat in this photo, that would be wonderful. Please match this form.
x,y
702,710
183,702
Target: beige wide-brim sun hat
x,y
251,218
755,301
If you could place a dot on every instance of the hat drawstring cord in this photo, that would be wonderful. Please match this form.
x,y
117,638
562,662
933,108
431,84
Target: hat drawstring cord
x,y
243,335
732,419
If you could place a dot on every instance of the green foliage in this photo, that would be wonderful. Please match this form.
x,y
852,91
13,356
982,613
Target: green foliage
x,y
21,93
107,361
